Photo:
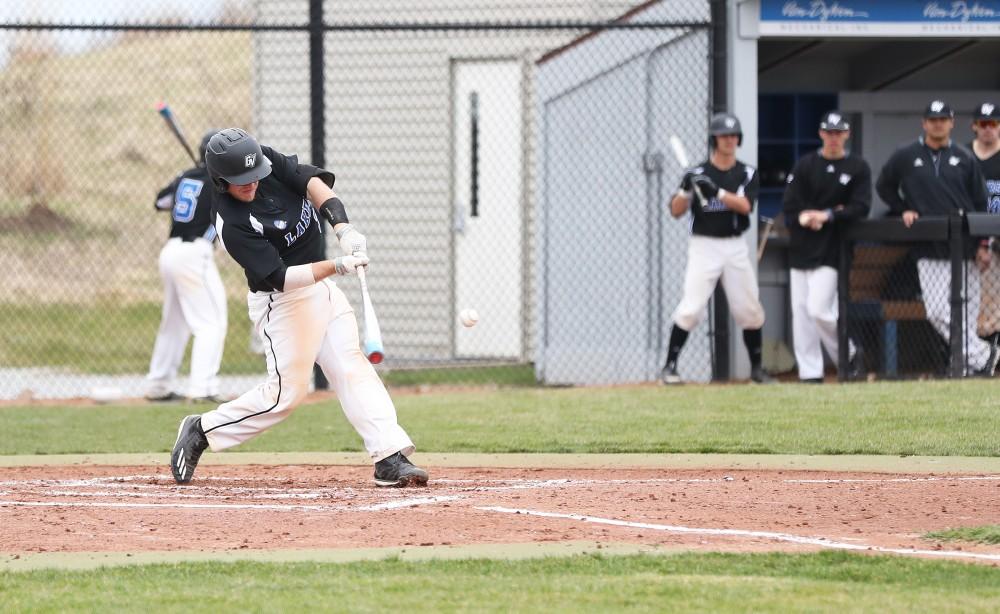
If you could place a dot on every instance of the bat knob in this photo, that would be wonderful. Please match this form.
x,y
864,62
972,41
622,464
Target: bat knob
x,y
375,357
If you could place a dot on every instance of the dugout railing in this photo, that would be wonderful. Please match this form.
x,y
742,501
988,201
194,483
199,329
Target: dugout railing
x,y
910,319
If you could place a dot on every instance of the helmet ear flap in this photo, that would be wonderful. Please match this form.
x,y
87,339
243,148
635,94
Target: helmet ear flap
x,y
739,143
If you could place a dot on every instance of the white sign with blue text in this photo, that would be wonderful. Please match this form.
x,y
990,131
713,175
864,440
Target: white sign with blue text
x,y
942,18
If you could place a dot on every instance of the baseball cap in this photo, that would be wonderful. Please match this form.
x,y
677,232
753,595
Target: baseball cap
x,y
938,108
986,110
834,120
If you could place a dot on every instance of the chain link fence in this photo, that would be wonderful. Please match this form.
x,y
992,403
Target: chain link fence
x,y
921,302
518,168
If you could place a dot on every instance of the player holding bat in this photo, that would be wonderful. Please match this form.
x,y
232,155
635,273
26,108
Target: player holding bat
x,y
267,216
717,249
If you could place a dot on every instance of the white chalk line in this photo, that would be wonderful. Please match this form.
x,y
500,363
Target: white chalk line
x,y
784,537
414,502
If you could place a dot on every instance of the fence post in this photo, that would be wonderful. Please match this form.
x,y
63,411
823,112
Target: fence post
x,y
843,299
317,119
957,323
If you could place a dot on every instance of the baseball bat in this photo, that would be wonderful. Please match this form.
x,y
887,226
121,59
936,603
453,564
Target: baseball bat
x,y
768,223
680,154
373,336
168,116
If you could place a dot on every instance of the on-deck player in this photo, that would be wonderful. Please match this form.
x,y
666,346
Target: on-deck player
x,y
717,249
267,217
194,298
827,188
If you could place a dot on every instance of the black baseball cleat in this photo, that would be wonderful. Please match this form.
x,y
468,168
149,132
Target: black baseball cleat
x,y
990,368
759,376
166,397
191,442
398,471
669,375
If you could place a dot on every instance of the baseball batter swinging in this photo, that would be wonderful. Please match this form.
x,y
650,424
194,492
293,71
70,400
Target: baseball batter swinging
x,y
267,215
728,188
194,298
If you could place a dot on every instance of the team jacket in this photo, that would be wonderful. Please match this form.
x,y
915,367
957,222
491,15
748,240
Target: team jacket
x,y
844,186
991,173
931,182
279,228
190,203
715,219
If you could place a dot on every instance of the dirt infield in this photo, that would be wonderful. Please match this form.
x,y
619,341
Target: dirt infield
x,y
256,507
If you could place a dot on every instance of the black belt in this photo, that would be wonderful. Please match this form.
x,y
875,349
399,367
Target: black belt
x,y
188,239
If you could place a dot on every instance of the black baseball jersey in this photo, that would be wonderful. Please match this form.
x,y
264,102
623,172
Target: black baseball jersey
x,y
843,186
190,199
932,182
279,228
715,219
991,173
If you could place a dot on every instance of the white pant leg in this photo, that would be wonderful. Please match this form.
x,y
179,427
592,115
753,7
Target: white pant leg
x,y
203,301
363,397
292,325
704,266
173,334
805,333
822,306
740,284
935,285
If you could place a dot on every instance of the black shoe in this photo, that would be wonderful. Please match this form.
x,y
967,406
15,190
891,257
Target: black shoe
x,y
990,368
759,376
669,375
191,442
169,397
397,470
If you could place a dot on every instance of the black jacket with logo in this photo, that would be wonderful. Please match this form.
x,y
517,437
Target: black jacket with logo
x,y
933,182
843,186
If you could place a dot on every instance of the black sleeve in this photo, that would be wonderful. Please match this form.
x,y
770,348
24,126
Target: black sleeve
x,y
252,251
794,200
887,185
859,200
165,197
289,171
750,186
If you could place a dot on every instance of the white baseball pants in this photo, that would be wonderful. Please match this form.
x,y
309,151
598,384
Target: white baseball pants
x,y
935,286
814,318
301,327
710,258
194,302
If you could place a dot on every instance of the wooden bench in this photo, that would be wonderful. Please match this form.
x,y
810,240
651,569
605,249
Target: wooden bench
x,y
868,280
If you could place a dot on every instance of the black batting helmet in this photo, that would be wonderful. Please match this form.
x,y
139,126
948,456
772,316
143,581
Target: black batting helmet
x,y
204,144
233,156
724,123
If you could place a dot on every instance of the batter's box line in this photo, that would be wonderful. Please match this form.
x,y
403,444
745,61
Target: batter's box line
x,y
388,505
783,537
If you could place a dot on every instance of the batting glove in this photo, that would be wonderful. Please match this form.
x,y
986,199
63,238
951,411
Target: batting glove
x,y
686,182
706,186
348,265
351,241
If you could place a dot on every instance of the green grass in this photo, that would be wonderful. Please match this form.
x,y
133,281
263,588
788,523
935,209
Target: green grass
x,y
830,582
87,339
989,534
915,418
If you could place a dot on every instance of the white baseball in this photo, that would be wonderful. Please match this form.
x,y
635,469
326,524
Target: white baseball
x,y
468,317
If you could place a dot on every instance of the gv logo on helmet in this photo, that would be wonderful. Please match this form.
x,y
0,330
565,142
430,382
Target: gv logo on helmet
x,y
249,161
730,122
